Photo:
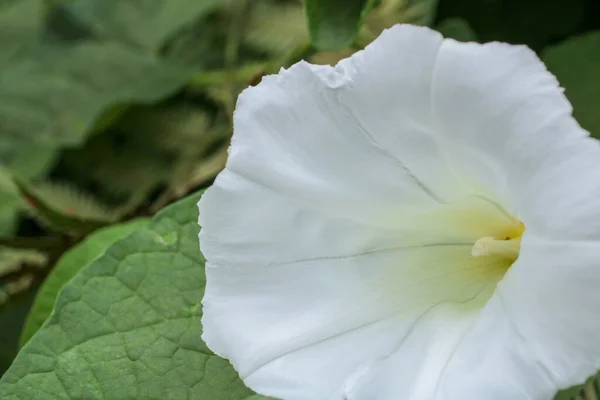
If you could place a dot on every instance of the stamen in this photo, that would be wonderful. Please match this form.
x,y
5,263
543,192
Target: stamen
x,y
488,246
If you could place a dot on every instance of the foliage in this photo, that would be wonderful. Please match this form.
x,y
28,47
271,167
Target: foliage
x,y
128,326
576,64
68,266
457,29
333,25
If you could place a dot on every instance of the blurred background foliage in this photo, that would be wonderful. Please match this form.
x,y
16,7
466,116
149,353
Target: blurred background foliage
x,y
111,109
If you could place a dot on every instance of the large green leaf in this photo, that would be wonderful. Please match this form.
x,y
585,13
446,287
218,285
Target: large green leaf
x,y
92,55
140,23
333,25
128,326
576,64
19,24
68,266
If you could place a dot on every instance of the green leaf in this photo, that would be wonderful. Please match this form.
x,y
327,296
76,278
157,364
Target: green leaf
x,y
68,266
587,391
33,161
128,326
457,29
275,27
421,12
392,12
576,64
12,260
19,21
9,203
64,208
8,210
91,56
334,24
151,148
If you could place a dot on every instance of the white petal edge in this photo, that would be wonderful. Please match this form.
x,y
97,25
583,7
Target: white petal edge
x,y
293,134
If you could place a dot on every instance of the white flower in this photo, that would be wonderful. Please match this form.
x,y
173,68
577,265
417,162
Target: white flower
x,y
420,222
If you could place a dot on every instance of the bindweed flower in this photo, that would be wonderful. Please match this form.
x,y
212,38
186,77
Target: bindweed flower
x,y
419,222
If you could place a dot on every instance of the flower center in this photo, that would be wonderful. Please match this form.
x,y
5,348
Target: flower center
x,y
507,245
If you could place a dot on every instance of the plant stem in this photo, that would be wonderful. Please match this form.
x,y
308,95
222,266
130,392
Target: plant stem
x,y
589,391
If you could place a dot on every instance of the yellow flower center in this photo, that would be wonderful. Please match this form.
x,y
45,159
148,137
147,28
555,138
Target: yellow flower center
x,y
507,245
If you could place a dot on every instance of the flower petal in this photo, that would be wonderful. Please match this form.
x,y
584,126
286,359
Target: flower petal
x,y
312,273
298,331
549,301
245,223
515,135
537,334
476,357
294,134
416,365
551,297
390,97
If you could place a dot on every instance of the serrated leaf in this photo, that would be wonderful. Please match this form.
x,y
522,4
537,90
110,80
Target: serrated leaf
x,y
333,25
576,64
128,326
116,163
11,260
149,148
64,208
68,266
33,161
172,128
